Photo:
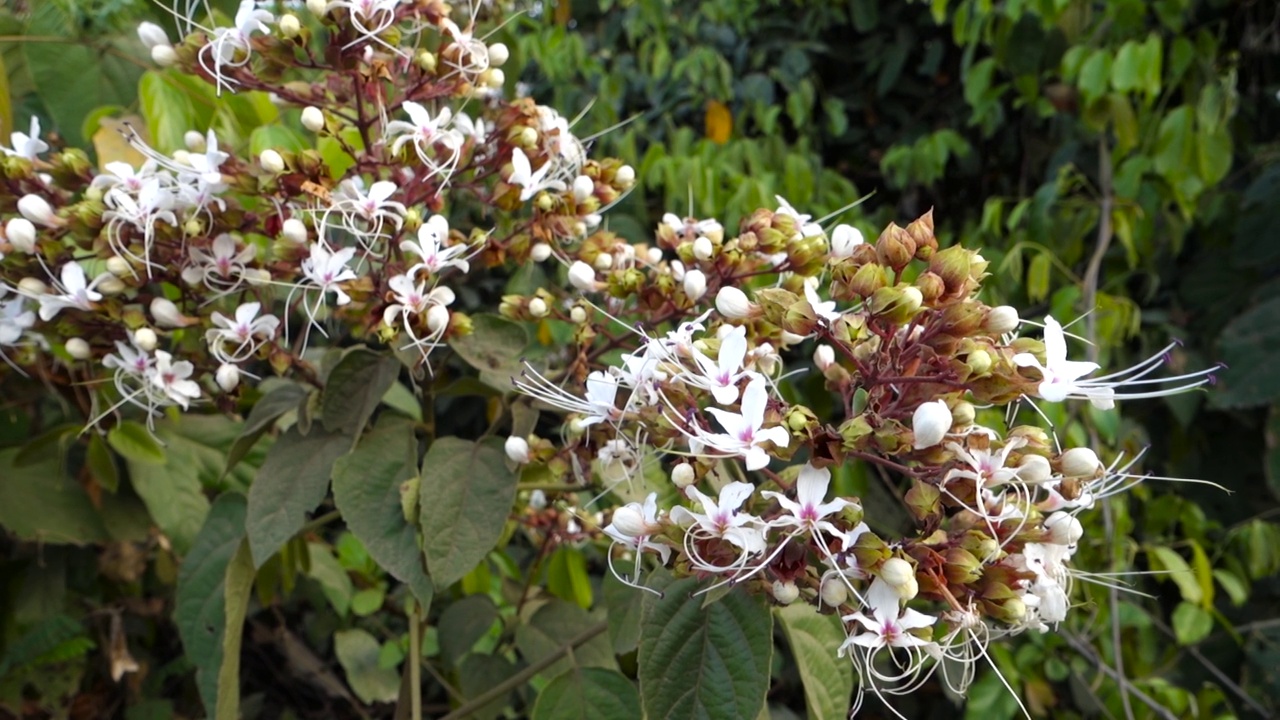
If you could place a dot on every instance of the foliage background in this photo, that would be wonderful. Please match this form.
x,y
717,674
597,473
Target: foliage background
x,y
1114,156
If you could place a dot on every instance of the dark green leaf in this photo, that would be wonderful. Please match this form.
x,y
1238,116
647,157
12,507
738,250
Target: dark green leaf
x,y
814,639
567,576
334,582
354,388
624,605
551,626
367,487
102,464
292,482
700,662
39,502
494,347
463,623
237,585
135,443
1249,344
478,675
200,599
1191,623
358,652
588,694
466,494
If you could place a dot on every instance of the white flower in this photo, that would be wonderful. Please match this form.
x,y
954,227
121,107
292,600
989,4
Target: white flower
x,y
721,376
517,449
598,405
1063,528
733,303
172,379
72,292
844,238
222,269
808,511
721,519
15,319
743,435
695,285
436,144
886,626
1047,562
227,377
167,314
26,145
930,423
364,213
824,356
229,47
271,161
806,228
326,269
825,310
632,526
152,35
244,333
435,257
1058,374
530,182
1080,462
702,248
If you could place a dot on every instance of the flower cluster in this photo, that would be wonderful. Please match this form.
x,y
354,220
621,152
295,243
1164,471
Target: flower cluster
x,y
165,285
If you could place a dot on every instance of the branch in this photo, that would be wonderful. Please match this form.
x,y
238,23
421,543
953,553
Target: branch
x,y
1084,649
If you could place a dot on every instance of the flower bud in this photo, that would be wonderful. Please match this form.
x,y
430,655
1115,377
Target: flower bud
x,y
953,266
1000,320
962,414
909,589
604,261
318,7
110,285
833,592
194,140
868,279
271,161
164,55
625,176
540,252
682,475
289,26
437,318
578,315
32,287
582,276
785,592
931,286
895,247
527,138
227,377
313,119
294,231
629,520
897,572
930,423
145,338
1034,470
538,499
426,61
695,284
78,348
37,210
583,188
978,362
498,55
844,238
152,35
733,303
1064,528
538,307
1080,462
493,78
1014,610
256,276
167,314
824,356
517,449
21,234
703,249
118,266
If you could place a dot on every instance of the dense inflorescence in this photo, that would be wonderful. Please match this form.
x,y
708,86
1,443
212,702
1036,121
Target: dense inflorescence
x,y
176,283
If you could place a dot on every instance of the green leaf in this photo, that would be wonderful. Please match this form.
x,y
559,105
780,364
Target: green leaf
x,y
237,585
1178,571
479,674
624,605
989,699
366,488
334,582
1235,588
1038,277
1191,623
102,464
1175,152
135,443
368,600
1249,345
1127,72
291,482
167,108
463,623
358,653
550,627
354,388
567,576
33,647
40,502
494,347
276,137
466,494
697,662
814,639
1095,75
588,694
200,600
1213,154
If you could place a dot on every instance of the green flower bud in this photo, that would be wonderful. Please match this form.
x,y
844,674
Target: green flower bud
x,y
895,247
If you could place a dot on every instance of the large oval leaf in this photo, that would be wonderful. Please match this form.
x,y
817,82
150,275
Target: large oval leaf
x,y
709,663
587,694
466,495
814,639
354,388
291,483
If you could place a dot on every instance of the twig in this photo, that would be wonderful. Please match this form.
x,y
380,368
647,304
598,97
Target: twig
x,y
1084,649
1213,669
519,678
415,663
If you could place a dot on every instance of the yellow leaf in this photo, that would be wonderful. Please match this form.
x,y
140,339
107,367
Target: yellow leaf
x,y
544,333
719,122
110,144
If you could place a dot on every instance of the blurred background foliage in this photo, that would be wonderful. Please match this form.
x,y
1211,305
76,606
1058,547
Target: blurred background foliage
x,y
1116,161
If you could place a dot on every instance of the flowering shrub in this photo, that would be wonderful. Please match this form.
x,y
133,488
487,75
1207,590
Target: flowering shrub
x,y
307,288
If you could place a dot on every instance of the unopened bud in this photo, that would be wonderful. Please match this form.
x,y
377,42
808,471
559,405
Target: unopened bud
x,y
167,314
733,303
582,276
37,210
1000,320
629,521
527,138
930,423
824,356
289,26
294,230
682,475
833,592
32,287
426,61
498,55
897,572
1080,462
785,592
145,338
895,247
21,234
318,7
625,176
256,276
493,78
583,188
78,348
152,35
979,362
517,449
313,119
695,284
118,266
1034,470
844,238
271,161
931,286
578,315
164,55
538,307
604,261
702,248
437,318
962,414
194,142
110,285
227,377
1014,610
1064,528
540,252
